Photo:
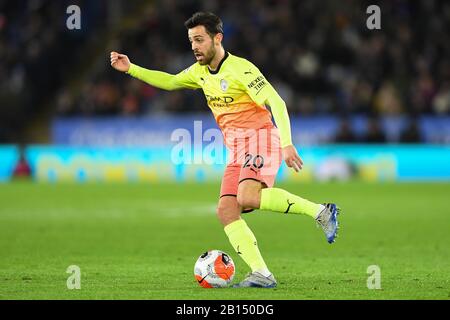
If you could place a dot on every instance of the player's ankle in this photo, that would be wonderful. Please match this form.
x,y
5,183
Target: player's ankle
x,y
321,208
264,271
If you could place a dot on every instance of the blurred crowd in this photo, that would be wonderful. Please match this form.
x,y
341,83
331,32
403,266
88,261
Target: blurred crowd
x,y
37,55
319,55
375,133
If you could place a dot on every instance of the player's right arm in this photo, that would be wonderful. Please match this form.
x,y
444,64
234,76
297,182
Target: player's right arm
x,y
158,79
263,93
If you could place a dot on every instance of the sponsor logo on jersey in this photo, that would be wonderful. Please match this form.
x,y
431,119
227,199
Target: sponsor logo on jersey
x,y
224,99
219,102
224,85
257,84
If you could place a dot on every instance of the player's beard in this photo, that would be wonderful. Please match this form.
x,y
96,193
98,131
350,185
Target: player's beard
x,y
208,56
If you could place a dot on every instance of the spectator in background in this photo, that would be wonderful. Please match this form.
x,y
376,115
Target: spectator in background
x,y
22,169
374,133
411,133
441,102
387,100
345,133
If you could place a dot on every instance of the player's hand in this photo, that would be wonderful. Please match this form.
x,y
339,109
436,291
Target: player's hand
x,y
120,62
292,159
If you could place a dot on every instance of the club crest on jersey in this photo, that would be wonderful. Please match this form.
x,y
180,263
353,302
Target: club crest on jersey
x,y
224,85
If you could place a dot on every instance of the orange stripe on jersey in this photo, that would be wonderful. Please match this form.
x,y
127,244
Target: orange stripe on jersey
x,y
253,117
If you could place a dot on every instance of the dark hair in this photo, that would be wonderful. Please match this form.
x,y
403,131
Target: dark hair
x,y
210,21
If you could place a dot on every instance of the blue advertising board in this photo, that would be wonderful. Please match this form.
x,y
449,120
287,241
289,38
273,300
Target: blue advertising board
x,y
157,131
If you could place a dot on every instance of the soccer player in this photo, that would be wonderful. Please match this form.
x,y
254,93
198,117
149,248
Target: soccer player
x,y
237,93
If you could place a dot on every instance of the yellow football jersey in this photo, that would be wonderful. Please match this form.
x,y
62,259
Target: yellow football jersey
x,y
235,92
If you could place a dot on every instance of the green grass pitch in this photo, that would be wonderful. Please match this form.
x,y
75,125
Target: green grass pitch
x,y
140,241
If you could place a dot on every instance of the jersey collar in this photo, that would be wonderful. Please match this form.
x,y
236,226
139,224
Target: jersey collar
x,y
220,64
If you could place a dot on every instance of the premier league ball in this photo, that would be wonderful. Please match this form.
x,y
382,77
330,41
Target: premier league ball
x,y
214,269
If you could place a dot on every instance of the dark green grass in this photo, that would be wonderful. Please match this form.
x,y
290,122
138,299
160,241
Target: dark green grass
x,y
141,242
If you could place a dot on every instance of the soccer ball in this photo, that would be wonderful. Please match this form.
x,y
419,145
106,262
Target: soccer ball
x,y
214,269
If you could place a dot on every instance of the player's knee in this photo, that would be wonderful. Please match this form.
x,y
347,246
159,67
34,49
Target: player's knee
x,y
220,211
226,215
249,198
245,200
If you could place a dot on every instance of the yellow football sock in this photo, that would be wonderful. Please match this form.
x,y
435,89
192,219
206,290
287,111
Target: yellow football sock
x,y
244,242
279,200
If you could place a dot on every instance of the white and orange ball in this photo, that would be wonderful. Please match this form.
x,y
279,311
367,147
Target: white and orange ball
x,y
214,269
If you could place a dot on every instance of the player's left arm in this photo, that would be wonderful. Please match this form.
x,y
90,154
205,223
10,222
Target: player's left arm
x,y
281,117
263,93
